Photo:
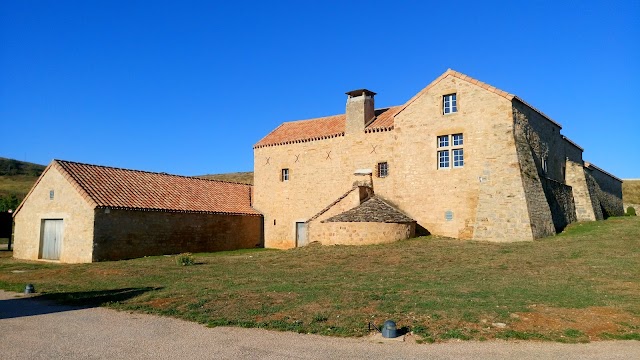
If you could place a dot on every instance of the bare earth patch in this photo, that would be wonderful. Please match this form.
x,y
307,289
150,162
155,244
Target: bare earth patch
x,y
591,321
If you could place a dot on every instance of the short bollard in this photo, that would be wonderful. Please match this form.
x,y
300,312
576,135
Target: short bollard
x,y
29,289
389,329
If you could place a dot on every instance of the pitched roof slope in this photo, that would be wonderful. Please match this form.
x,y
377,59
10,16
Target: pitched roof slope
x,y
332,126
323,128
140,190
373,209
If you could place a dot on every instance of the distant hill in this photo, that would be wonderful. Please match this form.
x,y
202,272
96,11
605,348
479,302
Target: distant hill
x,y
238,177
631,191
17,177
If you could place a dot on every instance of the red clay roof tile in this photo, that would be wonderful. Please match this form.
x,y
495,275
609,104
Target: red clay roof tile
x,y
133,189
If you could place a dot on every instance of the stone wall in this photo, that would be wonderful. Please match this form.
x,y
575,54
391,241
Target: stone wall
x,y
360,233
577,179
67,204
560,199
609,192
533,146
125,234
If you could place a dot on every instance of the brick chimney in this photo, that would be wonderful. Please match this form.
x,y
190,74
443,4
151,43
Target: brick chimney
x,y
360,110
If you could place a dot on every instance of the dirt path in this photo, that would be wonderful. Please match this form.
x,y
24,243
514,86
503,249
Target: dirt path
x,y
33,329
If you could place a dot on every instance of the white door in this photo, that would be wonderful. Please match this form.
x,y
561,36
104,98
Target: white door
x,y
51,239
301,234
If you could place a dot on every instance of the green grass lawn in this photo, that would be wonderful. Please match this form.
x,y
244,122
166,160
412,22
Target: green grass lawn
x,y
578,286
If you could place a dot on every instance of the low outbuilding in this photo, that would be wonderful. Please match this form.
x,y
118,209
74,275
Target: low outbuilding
x,y
79,213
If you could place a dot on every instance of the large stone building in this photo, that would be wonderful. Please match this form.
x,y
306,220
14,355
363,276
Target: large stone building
x,y
79,213
460,159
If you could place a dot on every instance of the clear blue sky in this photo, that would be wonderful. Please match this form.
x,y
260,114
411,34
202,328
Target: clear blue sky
x,y
187,87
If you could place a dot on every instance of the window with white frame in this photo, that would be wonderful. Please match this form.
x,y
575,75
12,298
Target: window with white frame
x,y
383,169
285,175
450,151
449,104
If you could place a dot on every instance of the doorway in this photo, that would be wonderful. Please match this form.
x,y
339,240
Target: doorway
x,y
301,234
51,239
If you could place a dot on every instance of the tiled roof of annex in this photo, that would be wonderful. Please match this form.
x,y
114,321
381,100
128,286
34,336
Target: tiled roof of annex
x,y
117,188
333,126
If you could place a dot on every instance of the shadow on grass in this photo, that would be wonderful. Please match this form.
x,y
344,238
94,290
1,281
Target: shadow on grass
x,y
60,302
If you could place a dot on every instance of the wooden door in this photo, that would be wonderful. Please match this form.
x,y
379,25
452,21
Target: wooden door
x,y
301,234
51,239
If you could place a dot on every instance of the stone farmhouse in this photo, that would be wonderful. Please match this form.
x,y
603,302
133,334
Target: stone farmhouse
x,y
77,213
461,159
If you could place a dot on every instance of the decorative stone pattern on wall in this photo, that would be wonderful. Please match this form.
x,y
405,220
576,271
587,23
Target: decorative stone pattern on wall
x,y
68,205
126,234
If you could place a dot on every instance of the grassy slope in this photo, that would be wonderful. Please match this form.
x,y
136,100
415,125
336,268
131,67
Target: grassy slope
x,y
631,191
580,285
17,177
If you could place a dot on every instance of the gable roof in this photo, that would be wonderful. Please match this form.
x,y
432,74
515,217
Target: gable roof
x,y
373,209
323,128
333,126
116,188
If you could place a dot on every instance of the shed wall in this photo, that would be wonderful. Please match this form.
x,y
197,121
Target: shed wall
x,y
67,204
125,234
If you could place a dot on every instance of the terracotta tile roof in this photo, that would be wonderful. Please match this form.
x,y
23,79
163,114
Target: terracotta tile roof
x,y
373,209
323,128
119,188
332,126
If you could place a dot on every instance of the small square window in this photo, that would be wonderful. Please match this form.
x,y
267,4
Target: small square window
x,y
457,140
443,159
285,175
458,157
449,104
443,141
383,169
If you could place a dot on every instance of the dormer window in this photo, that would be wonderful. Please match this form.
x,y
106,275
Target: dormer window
x,y
449,104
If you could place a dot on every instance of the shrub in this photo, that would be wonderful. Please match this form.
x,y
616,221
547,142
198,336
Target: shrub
x,y
631,211
185,259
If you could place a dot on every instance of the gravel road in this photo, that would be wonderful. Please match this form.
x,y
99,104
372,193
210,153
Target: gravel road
x,y
34,329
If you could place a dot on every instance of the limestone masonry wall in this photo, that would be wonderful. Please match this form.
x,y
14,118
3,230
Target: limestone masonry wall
x,y
561,203
360,233
67,204
533,145
125,234
609,192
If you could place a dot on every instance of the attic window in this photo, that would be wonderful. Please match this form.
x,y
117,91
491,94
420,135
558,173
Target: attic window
x,y
51,194
285,175
383,169
449,104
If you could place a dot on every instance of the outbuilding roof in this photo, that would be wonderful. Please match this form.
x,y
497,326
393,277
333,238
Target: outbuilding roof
x,y
373,209
333,126
116,188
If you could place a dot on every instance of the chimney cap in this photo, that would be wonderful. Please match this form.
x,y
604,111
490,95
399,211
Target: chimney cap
x,y
359,92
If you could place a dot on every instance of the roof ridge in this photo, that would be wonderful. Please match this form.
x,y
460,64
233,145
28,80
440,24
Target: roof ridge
x,y
147,172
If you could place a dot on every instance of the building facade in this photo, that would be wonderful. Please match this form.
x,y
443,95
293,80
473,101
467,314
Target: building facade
x,y
78,213
461,159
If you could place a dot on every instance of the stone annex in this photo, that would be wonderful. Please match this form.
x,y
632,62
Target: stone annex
x,y
77,213
461,159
